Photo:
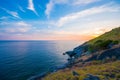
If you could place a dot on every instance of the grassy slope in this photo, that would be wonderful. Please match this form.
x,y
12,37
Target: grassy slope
x,y
111,69
101,69
114,34
103,41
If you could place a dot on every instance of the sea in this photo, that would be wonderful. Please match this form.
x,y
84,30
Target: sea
x,y
20,60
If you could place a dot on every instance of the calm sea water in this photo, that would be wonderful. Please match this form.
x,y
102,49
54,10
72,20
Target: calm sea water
x,y
20,60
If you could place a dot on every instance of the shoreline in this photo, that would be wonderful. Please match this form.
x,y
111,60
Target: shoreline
x,y
101,49
50,71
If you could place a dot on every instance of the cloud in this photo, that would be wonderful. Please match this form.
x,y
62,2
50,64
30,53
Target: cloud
x,y
31,7
12,13
21,8
92,11
49,7
83,2
4,18
52,3
15,14
22,27
15,27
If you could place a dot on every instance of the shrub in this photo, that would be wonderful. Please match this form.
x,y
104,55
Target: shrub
x,y
105,44
91,48
115,42
100,44
118,75
98,41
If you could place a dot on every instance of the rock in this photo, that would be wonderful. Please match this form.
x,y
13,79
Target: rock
x,y
92,77
75,73
76,53
80,50
109,53
104,54
70,53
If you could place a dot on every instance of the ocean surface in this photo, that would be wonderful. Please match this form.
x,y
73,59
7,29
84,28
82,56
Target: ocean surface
x,y
19,60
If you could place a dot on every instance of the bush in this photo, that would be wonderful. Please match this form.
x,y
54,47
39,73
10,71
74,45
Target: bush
x,y
90,48
100,44
118,75
98,41
115,42
105,44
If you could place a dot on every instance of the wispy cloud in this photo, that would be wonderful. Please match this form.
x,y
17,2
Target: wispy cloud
x,y
83,2
15,14
17,27
21,8
52,3
92,11
49,7
12,13
4,18
31,7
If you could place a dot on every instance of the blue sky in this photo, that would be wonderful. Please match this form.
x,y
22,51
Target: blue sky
x,y
57,19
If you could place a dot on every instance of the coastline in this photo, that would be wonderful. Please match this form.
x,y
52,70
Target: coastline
x,y
103,50
74,63
50,71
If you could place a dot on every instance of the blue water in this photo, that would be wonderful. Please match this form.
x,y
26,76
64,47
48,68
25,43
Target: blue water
x,y
20,60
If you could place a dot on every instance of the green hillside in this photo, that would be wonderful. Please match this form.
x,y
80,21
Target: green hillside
x,y
101,58
114,35
104,41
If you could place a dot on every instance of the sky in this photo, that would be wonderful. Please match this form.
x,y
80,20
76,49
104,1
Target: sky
x,y
57,19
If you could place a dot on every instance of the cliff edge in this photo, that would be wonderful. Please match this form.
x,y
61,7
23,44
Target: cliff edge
x,y
97,59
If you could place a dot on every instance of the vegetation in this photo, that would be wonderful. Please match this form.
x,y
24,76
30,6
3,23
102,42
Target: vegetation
x,y
106,69
113,35
110,70
101,44
104,41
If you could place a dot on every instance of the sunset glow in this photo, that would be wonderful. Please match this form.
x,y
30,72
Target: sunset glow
x,y
57,19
